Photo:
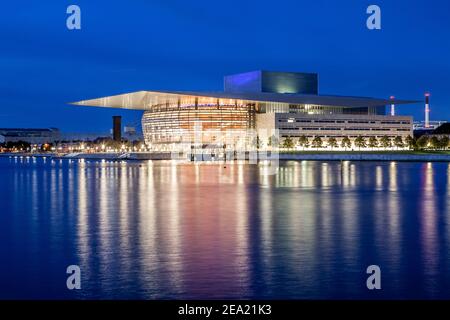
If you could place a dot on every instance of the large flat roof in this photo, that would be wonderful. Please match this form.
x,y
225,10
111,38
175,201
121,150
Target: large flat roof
x,y
143,100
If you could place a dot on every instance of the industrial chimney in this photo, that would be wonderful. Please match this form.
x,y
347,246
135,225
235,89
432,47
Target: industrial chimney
x,y
392,106
427,110
117,128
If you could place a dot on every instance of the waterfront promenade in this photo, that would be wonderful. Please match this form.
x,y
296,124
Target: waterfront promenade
x,y
287,156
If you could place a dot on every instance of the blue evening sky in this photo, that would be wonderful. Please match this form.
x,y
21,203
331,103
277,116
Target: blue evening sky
x,y
135,45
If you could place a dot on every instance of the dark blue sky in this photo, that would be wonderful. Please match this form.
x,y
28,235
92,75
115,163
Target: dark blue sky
x,y
126,46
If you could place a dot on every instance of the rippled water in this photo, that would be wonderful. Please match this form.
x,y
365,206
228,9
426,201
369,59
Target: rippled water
x,y
158,230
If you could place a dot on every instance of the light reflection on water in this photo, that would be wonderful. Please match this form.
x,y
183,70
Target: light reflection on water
x,y
165,230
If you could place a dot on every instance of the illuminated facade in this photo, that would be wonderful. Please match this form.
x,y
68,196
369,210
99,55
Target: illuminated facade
x,y
337,126
282,102
203,120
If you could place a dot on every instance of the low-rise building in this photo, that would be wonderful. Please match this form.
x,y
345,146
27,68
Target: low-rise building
x,y
338,126
32,136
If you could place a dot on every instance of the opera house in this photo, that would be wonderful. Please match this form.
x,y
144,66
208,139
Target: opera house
x,y
285,103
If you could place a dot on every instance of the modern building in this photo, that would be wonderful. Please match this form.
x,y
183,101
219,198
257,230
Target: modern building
x,y
32,136
287,103
432,125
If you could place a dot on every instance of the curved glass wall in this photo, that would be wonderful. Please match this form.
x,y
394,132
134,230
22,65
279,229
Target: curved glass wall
x,y
196,122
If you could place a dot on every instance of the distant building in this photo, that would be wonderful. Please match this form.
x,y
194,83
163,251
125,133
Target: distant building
x,y
420,125
132,134
117,128
32,136
129,130
84,136
420,128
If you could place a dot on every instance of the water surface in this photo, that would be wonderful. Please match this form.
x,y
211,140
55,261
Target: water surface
x,y
158,230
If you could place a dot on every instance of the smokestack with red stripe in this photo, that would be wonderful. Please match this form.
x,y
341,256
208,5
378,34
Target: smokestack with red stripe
x,y
427,110
392,106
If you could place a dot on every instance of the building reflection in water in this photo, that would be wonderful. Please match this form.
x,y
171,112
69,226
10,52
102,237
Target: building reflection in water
x,y
379,178
345,173
429,228
393,177
175,238
105,186
393,209
387,203
84,251
173,230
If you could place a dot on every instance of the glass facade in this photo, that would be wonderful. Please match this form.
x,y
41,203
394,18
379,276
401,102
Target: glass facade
x,y
274,107
200,120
